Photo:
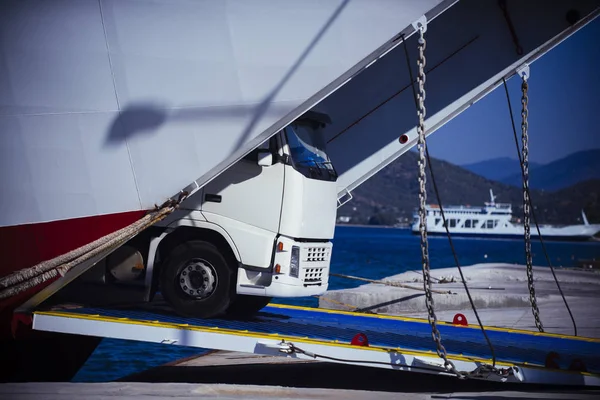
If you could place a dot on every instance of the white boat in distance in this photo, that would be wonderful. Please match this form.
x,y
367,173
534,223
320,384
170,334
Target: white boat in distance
x,y
495,220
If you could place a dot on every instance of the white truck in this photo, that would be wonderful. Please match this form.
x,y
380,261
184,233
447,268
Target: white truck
x,y
262,229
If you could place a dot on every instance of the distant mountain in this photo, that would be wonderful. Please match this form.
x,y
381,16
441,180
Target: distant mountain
x,y
560,174
392,195
555,206
498,169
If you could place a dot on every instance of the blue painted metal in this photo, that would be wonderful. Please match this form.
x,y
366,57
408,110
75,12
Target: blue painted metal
x,y
510,346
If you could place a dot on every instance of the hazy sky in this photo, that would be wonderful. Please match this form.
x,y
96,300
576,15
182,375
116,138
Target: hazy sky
x,y
564,109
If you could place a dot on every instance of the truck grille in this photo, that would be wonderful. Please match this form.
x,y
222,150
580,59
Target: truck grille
x,y
314,275
316,254
314,264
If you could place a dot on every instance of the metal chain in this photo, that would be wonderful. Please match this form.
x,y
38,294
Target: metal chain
x,y
527,202
435,333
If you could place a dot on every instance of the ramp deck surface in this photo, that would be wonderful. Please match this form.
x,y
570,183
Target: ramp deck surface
x,y
388,332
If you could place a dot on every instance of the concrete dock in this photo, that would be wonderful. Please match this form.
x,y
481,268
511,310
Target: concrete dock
x,y
499,292
168,391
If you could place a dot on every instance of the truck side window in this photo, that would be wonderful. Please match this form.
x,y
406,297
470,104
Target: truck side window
x,y
307,151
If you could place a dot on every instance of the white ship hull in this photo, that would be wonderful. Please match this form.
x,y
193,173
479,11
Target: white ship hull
x,y
566,233
495,220
113,106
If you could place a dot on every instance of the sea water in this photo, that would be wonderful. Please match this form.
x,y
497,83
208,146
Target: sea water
x,y
368,252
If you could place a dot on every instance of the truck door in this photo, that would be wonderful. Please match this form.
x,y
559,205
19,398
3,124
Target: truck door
x,y
248,192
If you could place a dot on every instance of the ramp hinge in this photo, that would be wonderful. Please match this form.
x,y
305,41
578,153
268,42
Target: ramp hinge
x,y
523,71
275,347
420,24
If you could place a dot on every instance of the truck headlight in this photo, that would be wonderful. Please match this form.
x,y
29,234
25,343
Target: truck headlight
x,y
295,262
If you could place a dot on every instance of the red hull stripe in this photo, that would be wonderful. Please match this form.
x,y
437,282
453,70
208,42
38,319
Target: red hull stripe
x,y
26,245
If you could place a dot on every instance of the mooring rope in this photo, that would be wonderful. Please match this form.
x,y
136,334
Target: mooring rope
x,y
389,283
26,278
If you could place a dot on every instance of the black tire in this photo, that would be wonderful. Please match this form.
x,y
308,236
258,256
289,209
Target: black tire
x,y
246,306
202,256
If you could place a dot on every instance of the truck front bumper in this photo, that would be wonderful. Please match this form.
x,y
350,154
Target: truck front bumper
x,y
299,269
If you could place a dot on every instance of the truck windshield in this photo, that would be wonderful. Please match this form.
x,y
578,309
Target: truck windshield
x,y
307,148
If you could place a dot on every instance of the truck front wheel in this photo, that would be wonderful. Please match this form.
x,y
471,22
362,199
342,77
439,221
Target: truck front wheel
x,y
195,280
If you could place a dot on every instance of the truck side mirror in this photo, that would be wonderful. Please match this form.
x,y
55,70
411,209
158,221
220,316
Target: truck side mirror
x,y
265,158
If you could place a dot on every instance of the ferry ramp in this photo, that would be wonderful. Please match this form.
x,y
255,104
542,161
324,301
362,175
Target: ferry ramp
x,y
326,335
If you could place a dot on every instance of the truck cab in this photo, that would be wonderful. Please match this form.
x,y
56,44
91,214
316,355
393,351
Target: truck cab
x,y
261,229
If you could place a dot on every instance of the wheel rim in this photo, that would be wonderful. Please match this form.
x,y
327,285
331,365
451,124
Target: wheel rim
x,y
197,278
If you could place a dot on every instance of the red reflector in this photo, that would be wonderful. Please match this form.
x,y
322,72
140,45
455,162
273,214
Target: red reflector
x,y
277,269
460,319
280,246
403,139
360,339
